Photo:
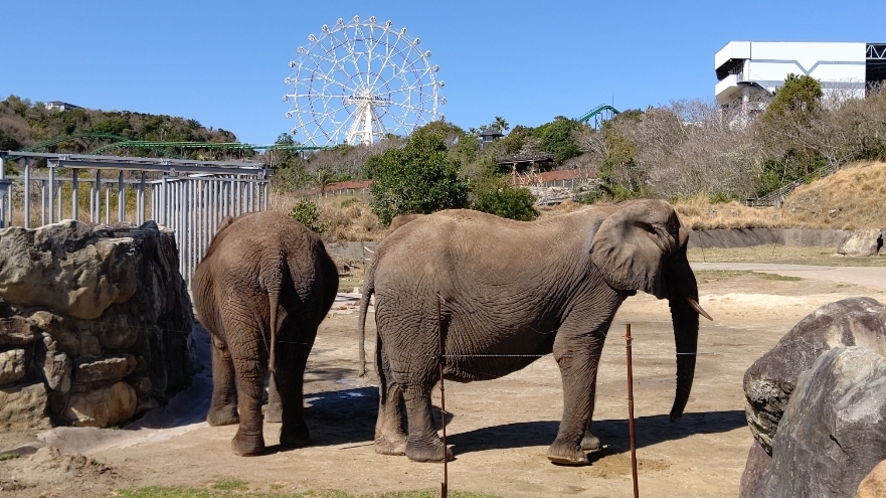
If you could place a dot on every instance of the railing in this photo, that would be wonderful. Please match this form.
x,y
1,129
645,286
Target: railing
x,y
189,197
777,196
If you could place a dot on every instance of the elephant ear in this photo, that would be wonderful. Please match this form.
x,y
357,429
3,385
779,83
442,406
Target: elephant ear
x,y
633,243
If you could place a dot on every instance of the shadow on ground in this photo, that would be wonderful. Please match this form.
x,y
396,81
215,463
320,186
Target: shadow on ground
x,y
649,430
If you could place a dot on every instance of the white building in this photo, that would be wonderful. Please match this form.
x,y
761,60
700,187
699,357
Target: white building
x,y
748,70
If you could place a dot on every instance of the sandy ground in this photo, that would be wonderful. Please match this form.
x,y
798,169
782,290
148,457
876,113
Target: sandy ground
x,y
499,430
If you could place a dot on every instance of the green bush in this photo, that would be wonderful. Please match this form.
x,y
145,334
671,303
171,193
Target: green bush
x,y
307,213
419,178
514,203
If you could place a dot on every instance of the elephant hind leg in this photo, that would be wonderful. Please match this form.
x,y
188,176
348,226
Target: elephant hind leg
x,y
290,381
423,443
390,438
223,406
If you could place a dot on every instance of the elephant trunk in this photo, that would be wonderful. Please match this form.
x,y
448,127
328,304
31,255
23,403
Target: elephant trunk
x,y
683,301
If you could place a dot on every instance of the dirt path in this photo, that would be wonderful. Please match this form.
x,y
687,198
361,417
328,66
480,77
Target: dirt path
x,y
499,430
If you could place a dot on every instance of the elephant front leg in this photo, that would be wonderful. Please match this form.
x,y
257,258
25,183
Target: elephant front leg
x,y
274,408
578,369
223,406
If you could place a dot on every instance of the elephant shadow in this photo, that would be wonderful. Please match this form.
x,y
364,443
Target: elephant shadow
x,y
649,430
346,416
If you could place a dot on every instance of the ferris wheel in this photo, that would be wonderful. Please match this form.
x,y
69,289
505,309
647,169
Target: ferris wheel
x,y
359,81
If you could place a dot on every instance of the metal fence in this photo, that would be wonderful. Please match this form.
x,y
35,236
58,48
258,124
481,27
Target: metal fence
x,y
189,197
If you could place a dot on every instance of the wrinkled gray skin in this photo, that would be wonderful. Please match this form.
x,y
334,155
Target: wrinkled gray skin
x,y
262,290
518,288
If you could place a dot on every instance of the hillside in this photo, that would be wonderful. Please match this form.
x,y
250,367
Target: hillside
x,y
851,198
24,124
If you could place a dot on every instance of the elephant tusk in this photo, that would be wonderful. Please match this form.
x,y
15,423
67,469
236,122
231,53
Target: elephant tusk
x,y
697,308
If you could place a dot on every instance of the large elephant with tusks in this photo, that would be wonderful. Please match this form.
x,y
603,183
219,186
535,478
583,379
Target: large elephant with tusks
x,y
509,292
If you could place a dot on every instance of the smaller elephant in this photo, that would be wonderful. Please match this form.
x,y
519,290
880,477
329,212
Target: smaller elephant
x,y
262,289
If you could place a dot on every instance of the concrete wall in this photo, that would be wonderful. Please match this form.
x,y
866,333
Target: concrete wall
x,y
804,237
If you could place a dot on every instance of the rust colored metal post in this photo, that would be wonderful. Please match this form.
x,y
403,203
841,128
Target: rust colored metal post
x,y
631,411
444,486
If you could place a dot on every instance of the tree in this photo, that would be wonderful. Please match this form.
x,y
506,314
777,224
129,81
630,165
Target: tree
x,y
785,129
421,177
557,137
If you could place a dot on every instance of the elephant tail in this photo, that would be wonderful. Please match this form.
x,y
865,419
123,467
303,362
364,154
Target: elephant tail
x,y
368,290
273,286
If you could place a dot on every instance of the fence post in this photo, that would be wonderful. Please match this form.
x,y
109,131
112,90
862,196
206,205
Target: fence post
x,y
444,486
628,340
51,189
74,194
27,222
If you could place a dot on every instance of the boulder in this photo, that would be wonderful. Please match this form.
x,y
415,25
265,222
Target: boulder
x,y
17,331
23,407
104,369
874,484
102,407
67,267
770,381
757,465
56,368
861,242
833,432
112,314
12,366
60,329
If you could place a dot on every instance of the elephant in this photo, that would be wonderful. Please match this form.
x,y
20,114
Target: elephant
x,y
262,289
509,292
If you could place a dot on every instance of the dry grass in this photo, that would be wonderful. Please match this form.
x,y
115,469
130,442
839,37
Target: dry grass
x,y
345,218
849,199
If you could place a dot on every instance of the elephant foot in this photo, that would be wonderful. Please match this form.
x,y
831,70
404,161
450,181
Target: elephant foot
x,y
567,454
295,438
247,445
591,443
427,451
395,446
222,415
273,413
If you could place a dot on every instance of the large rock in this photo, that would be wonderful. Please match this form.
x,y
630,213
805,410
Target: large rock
x,y
862,242
67,267
23,407
56,368
110,368
112,313
16,331
874,484
12,366
755,469
833,432
102,407
771,380
64,331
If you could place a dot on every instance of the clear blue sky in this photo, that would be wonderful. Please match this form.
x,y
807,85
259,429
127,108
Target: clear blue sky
x,y
223,63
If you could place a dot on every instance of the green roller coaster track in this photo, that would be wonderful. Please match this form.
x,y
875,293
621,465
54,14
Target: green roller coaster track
x,y
125,143
597,112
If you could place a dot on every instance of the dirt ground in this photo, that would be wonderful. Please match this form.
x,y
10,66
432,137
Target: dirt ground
x,y
499,430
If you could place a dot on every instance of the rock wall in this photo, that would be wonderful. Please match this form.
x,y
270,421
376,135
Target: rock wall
x,y
95,324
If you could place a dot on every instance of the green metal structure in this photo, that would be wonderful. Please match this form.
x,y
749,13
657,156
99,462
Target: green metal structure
x,y
598,114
